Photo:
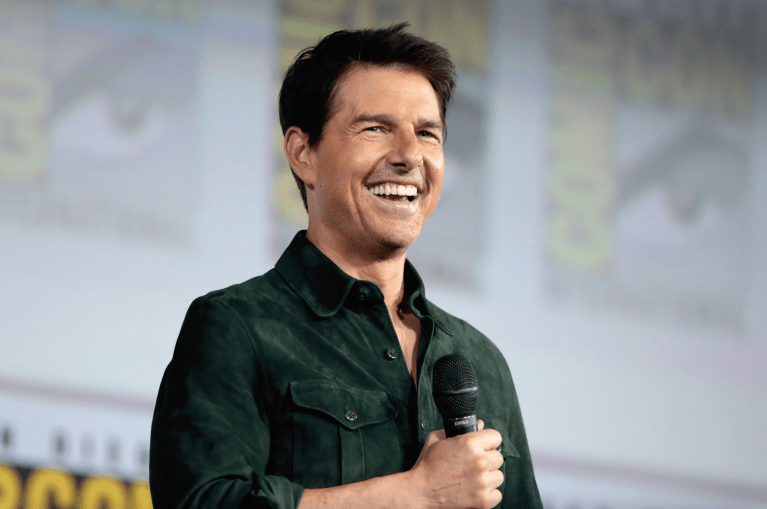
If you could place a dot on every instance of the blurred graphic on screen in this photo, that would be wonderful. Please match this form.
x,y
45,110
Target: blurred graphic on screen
x,y
603,221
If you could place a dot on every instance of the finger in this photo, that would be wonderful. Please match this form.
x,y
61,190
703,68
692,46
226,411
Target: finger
x,y
495,478
434,437
480,424
488,439
496,459
494,498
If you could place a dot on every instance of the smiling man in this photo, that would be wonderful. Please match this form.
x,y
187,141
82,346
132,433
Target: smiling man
x,y
310,386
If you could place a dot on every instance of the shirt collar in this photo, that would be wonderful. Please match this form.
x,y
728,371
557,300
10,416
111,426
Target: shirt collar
x,y
323,286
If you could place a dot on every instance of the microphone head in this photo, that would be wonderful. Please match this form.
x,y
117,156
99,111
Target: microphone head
x,y
455,386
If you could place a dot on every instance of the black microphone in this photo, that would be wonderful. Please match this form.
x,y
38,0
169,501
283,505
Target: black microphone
x,y
456,394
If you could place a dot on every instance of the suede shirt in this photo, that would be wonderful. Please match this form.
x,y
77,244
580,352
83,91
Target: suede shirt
x,y
296,379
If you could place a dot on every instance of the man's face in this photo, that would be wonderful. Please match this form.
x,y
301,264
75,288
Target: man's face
x,y
379,164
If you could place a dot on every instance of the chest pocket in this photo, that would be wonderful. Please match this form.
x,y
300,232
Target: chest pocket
x,y
341,434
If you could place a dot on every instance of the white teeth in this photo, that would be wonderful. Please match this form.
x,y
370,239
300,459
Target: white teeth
x,y
394,189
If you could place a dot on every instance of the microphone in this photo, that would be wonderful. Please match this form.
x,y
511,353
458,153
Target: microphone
x,y
456,394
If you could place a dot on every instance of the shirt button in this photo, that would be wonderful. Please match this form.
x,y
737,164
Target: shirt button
x,y
391,354
363,294
423,425
350,415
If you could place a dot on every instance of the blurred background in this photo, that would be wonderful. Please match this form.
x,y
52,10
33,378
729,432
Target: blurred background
x,y
603,221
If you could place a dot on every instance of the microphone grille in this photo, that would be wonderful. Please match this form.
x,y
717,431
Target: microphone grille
x,y
453,381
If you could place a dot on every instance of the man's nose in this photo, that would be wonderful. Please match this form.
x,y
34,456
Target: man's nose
x,y
406,151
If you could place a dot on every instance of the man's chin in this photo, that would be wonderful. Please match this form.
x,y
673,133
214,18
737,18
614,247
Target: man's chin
x,y
386,244
399,241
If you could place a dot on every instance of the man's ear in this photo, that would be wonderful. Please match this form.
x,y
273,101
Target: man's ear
x,y
300,155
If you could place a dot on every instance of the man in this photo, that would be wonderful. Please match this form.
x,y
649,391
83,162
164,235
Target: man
x,y
310,386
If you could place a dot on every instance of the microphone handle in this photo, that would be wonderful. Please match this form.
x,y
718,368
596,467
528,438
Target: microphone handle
x,y
460,425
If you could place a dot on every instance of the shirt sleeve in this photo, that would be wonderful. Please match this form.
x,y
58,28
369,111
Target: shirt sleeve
x,y
210,440
520,490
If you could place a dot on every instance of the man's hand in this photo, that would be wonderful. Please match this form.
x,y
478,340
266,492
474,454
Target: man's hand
x,y
459,472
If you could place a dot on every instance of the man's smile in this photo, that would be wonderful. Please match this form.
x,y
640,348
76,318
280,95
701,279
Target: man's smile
x,y
394,191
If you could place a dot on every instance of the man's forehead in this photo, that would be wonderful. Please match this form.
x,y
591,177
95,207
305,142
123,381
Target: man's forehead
x,y
356,89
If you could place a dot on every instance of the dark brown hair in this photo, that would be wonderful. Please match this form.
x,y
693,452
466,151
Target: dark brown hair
x,y
308,90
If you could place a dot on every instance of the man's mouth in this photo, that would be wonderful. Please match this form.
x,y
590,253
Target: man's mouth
x,y
396,192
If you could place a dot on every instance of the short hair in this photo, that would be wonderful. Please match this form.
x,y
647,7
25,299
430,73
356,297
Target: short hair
x,y
308,90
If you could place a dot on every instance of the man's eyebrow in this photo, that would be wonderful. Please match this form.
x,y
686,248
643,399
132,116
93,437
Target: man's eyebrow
x,y
430,123
381,118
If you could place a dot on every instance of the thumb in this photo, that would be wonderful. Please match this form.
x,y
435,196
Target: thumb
x,y
434,437
480,424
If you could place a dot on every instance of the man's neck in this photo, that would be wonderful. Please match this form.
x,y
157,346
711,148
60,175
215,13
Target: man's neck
x,y
386,268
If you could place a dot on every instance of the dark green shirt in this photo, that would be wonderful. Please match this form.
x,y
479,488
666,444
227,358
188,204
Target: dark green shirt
x,y
296,379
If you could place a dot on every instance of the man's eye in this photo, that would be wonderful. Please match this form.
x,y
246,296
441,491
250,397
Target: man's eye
x,y
429,134
374,129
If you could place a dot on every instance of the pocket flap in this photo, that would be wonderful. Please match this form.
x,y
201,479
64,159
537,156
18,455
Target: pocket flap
x,y
351,408
507,448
